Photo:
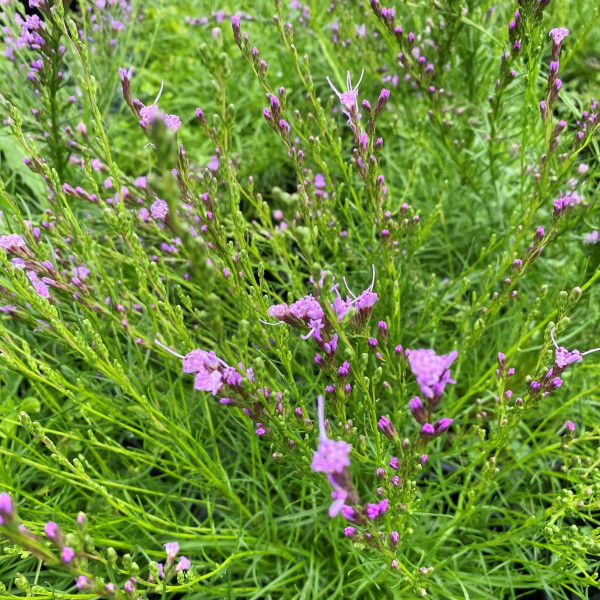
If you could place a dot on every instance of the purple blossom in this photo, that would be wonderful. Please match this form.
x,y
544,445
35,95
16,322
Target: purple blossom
x,y
349,513
558,34
431,371
183,565
386,427
39,285
52,530
159,210
591,238
6,507
418,410
81,582
427,429
348,98
172,122
442,425
67,554
339,500
12,243
171,549
331,456
206,381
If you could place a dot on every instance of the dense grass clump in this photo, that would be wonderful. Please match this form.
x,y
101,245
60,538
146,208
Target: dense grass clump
x,y
299,300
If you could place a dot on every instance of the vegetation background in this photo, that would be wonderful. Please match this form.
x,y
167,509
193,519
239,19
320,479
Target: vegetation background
x,y
95,417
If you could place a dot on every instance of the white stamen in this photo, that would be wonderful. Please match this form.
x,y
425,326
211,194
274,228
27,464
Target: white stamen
x,y
168,349
373,267
348,288
553,340
361,78
321,418
305,337
590,351
267,323
333,87
162,83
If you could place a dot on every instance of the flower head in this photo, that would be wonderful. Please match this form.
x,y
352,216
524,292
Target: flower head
x,y
431,371
67,554
331,456
6,505
350,96
172,549
558,34
172,122
159,210
12,243
183,565
52,530
81,582
150,112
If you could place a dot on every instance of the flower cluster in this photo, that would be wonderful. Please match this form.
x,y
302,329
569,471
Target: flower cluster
x,y
73,555
432,372
213,374
331,457
307,313
562,359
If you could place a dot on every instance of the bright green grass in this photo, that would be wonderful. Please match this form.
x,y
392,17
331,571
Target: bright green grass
x,y
123,435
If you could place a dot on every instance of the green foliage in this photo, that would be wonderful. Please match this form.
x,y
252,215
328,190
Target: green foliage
x,y
97,417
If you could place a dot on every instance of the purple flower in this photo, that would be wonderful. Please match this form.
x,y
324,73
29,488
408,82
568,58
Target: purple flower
x,y
591,238
386,427
344,370
427,429
442,425
172,549
6,505
418,410
556,383
199,360
348,513
339,499
52,530
172,122
159,210
183,565
12,243
206,381
431,371
38,285
67,554
348,98
372,511
81,582
570,427
349,531
382,101
558,34
365,301
331,456
382,330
